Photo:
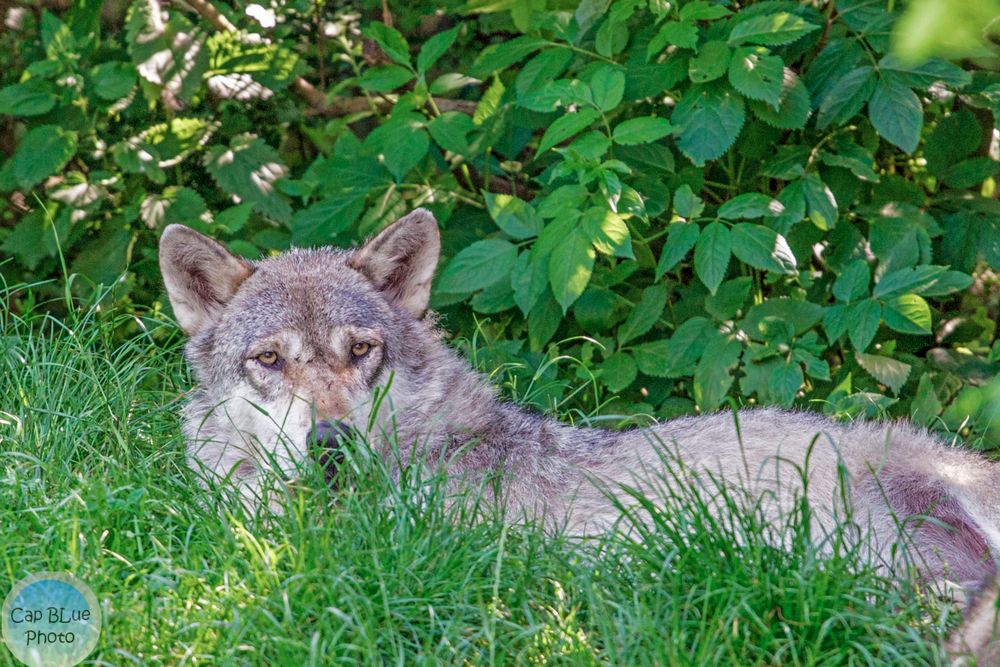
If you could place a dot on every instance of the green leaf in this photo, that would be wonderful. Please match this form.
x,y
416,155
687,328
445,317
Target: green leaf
x,y
926,74
800,315
642,130
327,218
707,121
596,309
646,313
611,38
477,266
529,280
757,74
896,113
561,93
173,205
435,47
969,173
821,204
926,406
618,371
384,79
401,142
852,284
513,215
563,201
682,34
565,127
450,131
390,40
750,205
500,56
948,282
794,107
489,103
43,151
890,372
607,86
847,97
711,255
105,258
30,98
539,73
701,10
652,358
763,248
686,203
113,80
543,321
450,82
729,298
686,346
863,319
851,156
835,321
608,232
784,383
681,237
711,62
233,54
909,279
570,267
771,29
907,313
713,377
248,168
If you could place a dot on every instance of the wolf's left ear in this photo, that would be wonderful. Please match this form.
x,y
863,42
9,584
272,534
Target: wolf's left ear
x,y
401,260
201,276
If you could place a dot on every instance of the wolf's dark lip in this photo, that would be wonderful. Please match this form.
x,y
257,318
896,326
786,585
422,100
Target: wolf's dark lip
x,y
326,445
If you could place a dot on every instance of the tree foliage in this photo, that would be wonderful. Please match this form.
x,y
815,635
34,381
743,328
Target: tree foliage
x,y
696,200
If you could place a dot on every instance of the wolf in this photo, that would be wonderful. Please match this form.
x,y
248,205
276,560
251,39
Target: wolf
x,y
301,346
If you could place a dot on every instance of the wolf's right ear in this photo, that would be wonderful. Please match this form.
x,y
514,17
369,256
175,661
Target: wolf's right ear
x,y
201,276
401,260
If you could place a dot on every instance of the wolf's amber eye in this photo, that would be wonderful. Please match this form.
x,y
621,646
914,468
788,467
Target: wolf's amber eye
x,y
360,349
268,358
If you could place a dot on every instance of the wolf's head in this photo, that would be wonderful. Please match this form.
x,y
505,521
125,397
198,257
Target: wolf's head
x,y
289,346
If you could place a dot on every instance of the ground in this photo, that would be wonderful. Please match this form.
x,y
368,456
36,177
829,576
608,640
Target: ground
x,y
95,482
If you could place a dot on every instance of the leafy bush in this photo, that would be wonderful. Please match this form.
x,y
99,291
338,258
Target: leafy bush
x,y
694,201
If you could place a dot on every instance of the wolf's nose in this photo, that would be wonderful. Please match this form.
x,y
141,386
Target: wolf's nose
x,y
326,446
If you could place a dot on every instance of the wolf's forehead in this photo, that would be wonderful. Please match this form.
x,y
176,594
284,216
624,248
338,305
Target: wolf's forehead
x,y
307,301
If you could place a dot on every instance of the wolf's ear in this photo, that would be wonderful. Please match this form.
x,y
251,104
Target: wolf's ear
x,y
401,260
200,274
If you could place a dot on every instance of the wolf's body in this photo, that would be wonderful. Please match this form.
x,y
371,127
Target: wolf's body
x,y
338,324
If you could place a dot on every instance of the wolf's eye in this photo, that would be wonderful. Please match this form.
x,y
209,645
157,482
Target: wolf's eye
x,y
360,349
269,358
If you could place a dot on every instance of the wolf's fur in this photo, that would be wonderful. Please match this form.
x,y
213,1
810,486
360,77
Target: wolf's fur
x,y
311,306
977,641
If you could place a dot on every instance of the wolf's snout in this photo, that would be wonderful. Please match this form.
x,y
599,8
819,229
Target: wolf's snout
x,y
325,443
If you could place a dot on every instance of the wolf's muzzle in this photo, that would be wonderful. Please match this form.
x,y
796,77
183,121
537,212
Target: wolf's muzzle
x,y
325,443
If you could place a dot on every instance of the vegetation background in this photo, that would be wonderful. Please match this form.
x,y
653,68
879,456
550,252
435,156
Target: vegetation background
x,y
648,208
692,200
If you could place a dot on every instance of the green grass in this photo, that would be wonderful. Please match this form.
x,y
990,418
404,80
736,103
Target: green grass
x,y
94,481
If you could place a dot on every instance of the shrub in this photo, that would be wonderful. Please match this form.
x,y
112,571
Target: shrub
x,y
692,200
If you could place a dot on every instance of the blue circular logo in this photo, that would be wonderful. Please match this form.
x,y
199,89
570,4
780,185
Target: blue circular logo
x,y
51,619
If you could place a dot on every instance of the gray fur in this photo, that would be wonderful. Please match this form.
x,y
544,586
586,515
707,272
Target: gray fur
x,y
313,305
